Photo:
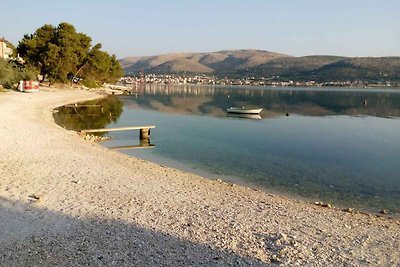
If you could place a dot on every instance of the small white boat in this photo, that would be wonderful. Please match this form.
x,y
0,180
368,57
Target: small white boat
x,y
243,110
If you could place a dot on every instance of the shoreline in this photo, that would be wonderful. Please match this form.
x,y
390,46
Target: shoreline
x,y
240,181
59,189
372,89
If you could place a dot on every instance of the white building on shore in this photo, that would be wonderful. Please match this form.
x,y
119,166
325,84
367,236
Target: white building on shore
x,y
5,52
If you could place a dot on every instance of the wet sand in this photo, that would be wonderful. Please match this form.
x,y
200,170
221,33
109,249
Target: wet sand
x,y
65,201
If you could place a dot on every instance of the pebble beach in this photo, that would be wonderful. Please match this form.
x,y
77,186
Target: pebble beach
x,y
65,201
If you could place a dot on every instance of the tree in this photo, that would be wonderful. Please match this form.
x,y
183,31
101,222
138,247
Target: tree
x,y
59,53
115,71
100,67
38,51
86,60
72,48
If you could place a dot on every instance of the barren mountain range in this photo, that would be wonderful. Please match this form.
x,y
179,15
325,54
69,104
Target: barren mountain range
x,y
268,64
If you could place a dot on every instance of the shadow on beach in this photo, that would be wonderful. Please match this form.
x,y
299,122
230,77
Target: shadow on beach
x,y
34,236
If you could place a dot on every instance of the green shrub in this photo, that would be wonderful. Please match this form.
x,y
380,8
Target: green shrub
x,y
27,73
8,74
90,83
11,73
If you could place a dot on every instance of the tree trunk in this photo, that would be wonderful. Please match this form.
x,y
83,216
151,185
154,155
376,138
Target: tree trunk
x,y
76,74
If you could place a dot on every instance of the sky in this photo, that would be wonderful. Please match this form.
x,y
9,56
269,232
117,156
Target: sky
x,y
151,27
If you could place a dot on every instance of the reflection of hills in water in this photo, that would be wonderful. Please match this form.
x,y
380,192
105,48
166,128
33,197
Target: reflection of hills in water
x,y
209,100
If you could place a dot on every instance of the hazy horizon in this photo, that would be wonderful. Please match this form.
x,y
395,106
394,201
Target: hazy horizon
x,y
297,28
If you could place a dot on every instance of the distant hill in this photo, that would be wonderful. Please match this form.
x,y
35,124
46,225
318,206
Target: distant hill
x,y
270,65
330,68
222,61
292,65
181,65
367,69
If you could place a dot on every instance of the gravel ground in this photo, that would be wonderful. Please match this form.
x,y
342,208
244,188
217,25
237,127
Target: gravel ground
x,y
65,201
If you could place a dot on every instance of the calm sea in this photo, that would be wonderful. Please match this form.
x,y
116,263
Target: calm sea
x,y
336,145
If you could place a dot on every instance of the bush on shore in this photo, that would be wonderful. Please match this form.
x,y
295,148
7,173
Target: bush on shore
x,y
11,73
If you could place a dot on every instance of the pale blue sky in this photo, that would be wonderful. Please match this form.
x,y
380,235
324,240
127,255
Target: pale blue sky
x,y
295,27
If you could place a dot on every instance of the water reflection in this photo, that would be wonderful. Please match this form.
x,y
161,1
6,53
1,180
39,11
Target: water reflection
x,y
144,143
244,116
92,115
213,101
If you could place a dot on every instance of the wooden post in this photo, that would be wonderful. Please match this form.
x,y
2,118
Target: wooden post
x,y
144,133
144,142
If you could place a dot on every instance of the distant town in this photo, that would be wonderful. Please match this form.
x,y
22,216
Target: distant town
x,y
203,79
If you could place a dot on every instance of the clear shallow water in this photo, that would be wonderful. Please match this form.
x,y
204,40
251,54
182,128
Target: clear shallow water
x,y
332,147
